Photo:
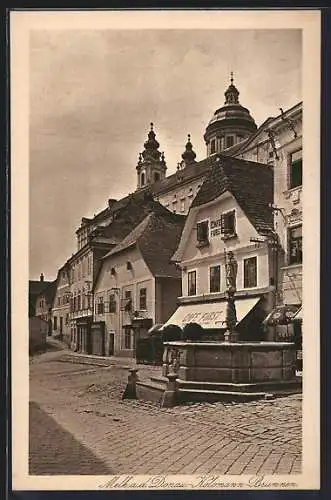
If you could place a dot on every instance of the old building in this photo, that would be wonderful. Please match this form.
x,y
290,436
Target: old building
x,y
35,288
231,213
279,142
61,305
137,284
122,218
44,304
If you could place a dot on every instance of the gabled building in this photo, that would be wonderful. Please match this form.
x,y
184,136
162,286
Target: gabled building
x,y
44,304
231,213
137,284
35,288
124,216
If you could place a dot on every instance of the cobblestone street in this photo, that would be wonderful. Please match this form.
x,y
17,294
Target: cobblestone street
x,y
79,424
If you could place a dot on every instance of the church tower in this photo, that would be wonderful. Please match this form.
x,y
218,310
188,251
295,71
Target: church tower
x,y
231,124
189,156
151,165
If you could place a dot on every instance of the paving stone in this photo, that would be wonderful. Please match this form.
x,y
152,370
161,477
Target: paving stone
x,y
133,436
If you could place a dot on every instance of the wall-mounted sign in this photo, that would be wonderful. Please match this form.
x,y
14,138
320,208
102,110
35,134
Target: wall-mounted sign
x,y
216,227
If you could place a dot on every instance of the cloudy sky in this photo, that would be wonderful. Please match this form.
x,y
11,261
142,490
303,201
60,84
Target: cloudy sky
x,y
94,93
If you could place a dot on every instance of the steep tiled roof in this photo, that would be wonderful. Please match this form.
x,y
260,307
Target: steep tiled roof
x,y
49,292
36,287
157,237
249,182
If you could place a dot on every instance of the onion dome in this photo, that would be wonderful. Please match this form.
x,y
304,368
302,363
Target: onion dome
x,y
189,155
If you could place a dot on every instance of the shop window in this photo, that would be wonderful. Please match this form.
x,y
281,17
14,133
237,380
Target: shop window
x,y
228,224
229,141
55,323
192,282
143,299
296,169
203,233
213,146
127,337
112,304
214,279
295,245
250,272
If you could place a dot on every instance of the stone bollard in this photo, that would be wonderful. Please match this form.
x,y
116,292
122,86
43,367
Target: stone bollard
x,y
131,389
169,397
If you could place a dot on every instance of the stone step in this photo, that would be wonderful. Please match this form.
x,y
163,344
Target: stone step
x,y
148,390
185,395
267,386
159,379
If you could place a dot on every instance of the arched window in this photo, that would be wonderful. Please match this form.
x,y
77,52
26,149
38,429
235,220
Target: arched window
x,y
156,176
143,179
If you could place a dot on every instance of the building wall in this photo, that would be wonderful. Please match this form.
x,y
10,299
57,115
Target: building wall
x,y
167,292
180,198
60,316
124,280
38,329
200,259
288,201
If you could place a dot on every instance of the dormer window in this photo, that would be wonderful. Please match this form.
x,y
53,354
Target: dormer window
x,y
203,233
228,224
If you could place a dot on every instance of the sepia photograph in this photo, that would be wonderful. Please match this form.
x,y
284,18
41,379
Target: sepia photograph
x,y
165,322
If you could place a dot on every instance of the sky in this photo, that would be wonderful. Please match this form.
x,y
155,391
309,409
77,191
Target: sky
x,y
94,93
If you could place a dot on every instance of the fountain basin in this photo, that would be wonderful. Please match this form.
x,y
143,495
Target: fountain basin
x,y
237,362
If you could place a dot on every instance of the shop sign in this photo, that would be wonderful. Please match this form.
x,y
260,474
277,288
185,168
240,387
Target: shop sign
x,y
216,227
206,319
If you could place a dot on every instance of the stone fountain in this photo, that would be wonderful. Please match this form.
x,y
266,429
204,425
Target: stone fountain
x,y
229,370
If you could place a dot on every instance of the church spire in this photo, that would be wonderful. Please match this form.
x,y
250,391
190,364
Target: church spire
x,y
151,165
189,155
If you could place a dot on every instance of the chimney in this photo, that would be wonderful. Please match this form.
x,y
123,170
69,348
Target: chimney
x,y
41,277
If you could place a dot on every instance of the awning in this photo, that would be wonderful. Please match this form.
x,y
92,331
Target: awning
x,y
281,315
298,315
210,314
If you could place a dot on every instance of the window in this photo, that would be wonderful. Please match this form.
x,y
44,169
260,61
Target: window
x,y
100,306
174,206
59,301
182,205
212,146
192,283
143,299
229,141
250,272
78,301
295,245
228,224
203,233
128,301
55,323
296,169
112,303
143,179
89,265
67,319
61,324
156,176
190,192
127,337
214,279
